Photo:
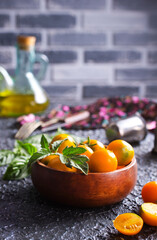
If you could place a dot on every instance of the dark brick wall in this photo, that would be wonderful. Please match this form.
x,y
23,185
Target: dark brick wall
x,y
111,91
112,56
46,21
135,5
77,5
19,4
95,48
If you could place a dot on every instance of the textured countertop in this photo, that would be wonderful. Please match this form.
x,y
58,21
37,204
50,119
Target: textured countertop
x,y
24,214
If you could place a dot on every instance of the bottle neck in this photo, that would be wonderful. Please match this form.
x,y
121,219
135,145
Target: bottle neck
x,y
25,60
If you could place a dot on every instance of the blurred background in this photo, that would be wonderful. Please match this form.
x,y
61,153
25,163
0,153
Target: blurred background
x,y
96,48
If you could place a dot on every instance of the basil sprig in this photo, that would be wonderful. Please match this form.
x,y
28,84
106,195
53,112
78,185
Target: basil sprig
x,y
25,153
70,157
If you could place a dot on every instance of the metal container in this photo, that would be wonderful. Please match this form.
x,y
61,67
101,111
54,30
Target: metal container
x,y
130,129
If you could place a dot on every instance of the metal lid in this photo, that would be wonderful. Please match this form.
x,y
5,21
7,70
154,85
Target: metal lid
x,y
25,42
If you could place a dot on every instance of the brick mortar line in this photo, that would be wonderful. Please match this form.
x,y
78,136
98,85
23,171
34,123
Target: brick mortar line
x,y
132,48
102,66
17,30
111,79
101,48
60,48
109,39
142,90
109,5
69,29
117,66
114,48
43,39
82,81
76,30
80,59
68,10
84,48
109,85
34,11
78,26
14,57
82,21
144,57
60,84
79,91
12,21
42,5
47,11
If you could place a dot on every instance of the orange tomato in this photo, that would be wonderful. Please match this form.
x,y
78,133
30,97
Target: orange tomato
x,y
128,223
54,162
66,143
123,151
47,159
149,213
94,144
149,192
102,161
88,152
61,137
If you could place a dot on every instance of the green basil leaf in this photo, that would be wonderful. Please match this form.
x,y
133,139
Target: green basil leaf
x,y
55,145
79,158
65,160
37,156
80,162
83,167
36,140
44,143
28,147
73,150
77,161
18,150
17,169
6,157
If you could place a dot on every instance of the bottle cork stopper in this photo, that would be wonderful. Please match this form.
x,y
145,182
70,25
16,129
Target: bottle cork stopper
x,y
25,42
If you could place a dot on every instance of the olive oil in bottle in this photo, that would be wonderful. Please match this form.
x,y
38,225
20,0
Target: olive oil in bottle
x,y
14,105
26,95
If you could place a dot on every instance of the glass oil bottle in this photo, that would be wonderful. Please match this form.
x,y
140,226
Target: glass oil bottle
x,y
23,94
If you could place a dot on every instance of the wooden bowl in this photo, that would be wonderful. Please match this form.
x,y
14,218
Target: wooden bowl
x,y
77,189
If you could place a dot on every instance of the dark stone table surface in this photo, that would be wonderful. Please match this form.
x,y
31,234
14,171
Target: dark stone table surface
x,y
24,214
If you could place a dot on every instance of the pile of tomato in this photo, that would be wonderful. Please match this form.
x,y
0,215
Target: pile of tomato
x,y
102,158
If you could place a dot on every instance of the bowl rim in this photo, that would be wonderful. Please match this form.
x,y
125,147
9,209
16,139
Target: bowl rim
x,y
131,164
